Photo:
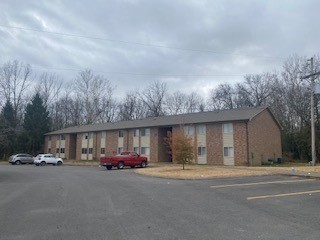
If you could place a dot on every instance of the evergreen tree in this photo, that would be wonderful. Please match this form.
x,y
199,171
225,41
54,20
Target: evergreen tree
x,y
36,124
7,130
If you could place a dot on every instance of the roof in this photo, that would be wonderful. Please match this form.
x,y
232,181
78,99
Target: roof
x,y
239,114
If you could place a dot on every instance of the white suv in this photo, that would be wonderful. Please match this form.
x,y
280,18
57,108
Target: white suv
x,y
43,159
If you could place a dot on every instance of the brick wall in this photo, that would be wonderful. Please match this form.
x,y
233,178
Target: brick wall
x,y
72,146
264,138
214,143
130,140
240,143
154,144
67,146
53,144
112,143
78,146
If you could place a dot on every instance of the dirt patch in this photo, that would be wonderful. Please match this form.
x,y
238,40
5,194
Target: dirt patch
x,y
204,171
199,172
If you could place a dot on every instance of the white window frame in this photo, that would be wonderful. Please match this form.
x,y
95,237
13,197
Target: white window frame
x,y
188,130
103,135
120,133
228,152
145,151
201,129
136,132
228,128
202,151
145,132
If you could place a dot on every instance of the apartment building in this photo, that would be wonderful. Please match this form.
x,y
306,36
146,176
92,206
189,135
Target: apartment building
x,y
246,136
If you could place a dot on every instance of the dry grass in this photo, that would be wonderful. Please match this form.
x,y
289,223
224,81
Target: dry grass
x,y
204,171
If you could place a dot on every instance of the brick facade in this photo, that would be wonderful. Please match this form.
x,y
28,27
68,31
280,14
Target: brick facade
x,y
112,143
214,144
240,143
264,138
254,141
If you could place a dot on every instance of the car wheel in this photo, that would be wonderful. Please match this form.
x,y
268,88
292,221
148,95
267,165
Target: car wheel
x,y
120,165
59,163
18,162
43,163
37,164
109,167
143,164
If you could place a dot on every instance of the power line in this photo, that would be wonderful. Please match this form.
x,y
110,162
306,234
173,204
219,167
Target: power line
x,y
139,74
137,43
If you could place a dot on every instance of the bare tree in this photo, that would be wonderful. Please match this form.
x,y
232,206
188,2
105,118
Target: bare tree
x,y
131,107
15,78
194,103
153,98
222,97
95,94
49,88
176,103
255,90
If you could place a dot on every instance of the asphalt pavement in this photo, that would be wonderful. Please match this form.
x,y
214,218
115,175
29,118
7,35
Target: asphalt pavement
x,y
77,202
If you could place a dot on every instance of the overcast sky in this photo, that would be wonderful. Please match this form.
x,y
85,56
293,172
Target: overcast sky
x,y
190,45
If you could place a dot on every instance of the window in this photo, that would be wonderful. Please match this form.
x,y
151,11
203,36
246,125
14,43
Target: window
x,y
201,129
136,149
49,138
84,151
120,149
227,128
201,151
62,137
103,151
120,133
57,150
136,133
91,135
85,136
188,130
90,150
61,150
228,151
145,150
103,135
145,132
49,150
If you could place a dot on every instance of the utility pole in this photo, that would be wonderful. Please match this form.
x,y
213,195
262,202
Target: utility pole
x,y
312,75
313,137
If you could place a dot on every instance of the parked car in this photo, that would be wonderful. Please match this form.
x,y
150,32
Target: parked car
x,y
126,158
43,159
21,158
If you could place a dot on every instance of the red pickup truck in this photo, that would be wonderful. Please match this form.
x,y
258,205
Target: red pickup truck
x,y
126,158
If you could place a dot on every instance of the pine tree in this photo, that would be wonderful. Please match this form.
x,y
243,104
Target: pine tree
x,y
7,130
36,124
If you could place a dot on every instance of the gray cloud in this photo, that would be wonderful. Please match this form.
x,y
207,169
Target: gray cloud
x,y
234,38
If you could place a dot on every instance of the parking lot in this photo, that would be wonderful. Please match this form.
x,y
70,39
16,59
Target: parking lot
x,y
68,202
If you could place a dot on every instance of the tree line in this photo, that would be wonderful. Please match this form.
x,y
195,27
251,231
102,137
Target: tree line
x,y
34,104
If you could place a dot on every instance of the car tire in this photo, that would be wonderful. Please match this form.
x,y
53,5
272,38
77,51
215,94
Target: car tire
x,y
120,165
132,166
109,167
17,162
43,163
143,164
59,163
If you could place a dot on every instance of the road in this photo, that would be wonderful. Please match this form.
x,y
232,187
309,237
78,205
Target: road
x,y
70,202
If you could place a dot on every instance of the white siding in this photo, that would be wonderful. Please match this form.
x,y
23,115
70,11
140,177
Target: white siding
x,y
227,142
